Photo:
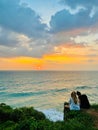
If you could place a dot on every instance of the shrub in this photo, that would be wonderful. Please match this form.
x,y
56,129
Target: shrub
x,y
17,115
8,125
29,124
5,112
31,112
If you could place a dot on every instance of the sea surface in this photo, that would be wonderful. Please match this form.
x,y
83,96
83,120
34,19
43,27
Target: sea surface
x,y
46,91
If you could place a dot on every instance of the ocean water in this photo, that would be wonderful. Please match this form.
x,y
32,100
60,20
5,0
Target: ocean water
x,y
46,91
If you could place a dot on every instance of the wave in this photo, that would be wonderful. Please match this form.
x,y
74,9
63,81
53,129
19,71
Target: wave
x,y
62,90
40,82
83,87
20,94
2,88
2,93
53,114
34,93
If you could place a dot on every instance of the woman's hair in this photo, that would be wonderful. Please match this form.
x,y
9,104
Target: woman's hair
x,y
74,97
78,93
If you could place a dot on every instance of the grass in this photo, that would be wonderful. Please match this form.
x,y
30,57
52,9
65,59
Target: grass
x,y
27,118
95,106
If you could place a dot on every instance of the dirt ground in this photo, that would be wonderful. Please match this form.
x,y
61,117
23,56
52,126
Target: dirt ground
x,y
94,113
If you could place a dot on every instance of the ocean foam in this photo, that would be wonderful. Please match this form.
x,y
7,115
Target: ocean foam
x,y
53,114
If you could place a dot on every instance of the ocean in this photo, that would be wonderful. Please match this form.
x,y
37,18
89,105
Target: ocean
x,y
46,91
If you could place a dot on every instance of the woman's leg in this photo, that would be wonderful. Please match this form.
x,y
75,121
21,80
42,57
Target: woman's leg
x,y
66,109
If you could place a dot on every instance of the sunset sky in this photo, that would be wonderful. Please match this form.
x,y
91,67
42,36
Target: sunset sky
x,y
48,34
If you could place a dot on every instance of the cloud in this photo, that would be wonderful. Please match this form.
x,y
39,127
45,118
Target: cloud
x,y
20,19
77,14
8,38
74,3
15,44
22,32
90,38
64,20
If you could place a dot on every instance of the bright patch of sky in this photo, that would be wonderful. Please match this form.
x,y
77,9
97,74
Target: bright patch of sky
x,y
44,8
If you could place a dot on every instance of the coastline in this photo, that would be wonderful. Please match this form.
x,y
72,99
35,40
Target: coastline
x,y
30,118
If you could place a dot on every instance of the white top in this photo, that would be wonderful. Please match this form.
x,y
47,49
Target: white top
x,y
73,106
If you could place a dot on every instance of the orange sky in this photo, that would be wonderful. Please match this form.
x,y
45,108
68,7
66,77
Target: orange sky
x,y
60,37
55,61
65,56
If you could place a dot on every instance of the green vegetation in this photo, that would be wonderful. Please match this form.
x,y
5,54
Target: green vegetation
x,y
30,119
95,106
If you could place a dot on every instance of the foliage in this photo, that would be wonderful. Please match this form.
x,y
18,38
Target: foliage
x,y
79,120
8,125
5,112
95,106
30,119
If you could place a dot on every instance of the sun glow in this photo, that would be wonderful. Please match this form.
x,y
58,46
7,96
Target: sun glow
x,y
65,56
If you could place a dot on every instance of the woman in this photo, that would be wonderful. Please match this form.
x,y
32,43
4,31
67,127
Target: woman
x,y
73,103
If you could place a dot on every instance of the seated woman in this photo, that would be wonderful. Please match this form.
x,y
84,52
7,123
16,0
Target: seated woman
x,y
72,105
73,102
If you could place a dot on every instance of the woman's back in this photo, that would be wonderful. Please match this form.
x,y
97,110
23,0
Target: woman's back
x,y
74,103
74,106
